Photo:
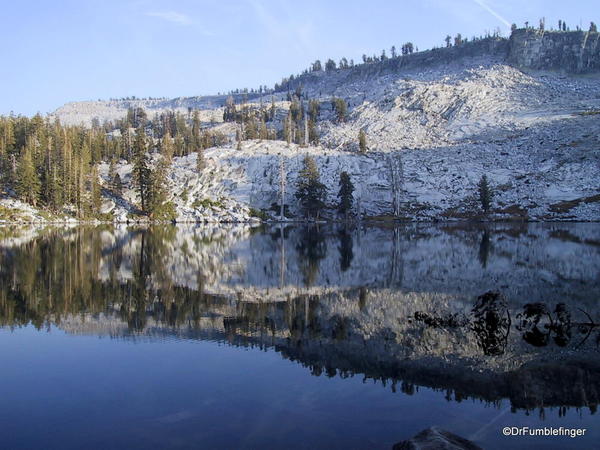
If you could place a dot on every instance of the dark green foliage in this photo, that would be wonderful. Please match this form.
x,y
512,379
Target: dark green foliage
x,y
345,194
28,183
52,166
340,108
141,168
485,193
117,184
362,141
314,110
157,189
309,189
313,133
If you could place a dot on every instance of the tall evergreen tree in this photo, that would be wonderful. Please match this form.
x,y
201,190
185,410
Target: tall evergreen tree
x,y
95,188
141,167
28,183
157,191
362,141
340,107
485,193
309,189
345,194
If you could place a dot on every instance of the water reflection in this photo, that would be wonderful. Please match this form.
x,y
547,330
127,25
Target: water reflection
x,y
484,313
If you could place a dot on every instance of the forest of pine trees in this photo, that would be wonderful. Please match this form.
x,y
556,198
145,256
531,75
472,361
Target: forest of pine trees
x,y
55,167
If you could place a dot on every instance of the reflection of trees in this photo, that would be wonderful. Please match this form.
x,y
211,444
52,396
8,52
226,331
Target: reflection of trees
x,y
345,248
491,322
311,249
484,248
56,275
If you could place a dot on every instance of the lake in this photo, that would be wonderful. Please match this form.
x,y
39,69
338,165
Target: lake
x,y
298,336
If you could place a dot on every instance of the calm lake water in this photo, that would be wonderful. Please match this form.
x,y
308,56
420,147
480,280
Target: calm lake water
x,y
298,337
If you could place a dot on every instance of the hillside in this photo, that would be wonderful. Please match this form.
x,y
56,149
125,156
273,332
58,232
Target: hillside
x,y
522,111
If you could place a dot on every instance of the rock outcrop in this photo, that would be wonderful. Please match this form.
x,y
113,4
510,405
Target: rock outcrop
x,y
435,438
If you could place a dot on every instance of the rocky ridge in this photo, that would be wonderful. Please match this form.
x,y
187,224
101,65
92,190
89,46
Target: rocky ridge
x,y
435,123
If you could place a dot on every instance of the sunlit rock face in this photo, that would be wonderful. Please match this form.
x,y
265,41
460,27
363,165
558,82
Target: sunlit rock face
x,y
404,305
436,121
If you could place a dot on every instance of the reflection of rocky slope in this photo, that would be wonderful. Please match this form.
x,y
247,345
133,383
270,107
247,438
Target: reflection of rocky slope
x,y
367,334
528,263
346,303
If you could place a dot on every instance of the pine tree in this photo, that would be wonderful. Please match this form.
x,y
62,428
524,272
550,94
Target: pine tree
x,y
309,189
179,145
196,131
314,109
157,193
141,167
345,194
166,147
82,177
485,193
7,142
263,133
288,128
251,129
117,184
28,183
313,133
272,110
340,108
362,141
96,198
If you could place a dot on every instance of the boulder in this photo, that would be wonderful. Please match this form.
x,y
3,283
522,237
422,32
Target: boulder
x,y
436,439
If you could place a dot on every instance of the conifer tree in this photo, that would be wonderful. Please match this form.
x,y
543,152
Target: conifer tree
x,y
362,141
309,189
157,192
263,133
485,193
313,133
166,147
314,109
141,167
82,177
345,194
7,139
96,199
117,184
28,183
288,129
273,109
340,108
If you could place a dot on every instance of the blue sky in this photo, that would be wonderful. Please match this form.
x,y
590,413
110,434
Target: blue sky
x,y
60,51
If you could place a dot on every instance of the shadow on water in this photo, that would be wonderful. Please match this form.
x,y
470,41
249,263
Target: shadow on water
x,y
494,313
